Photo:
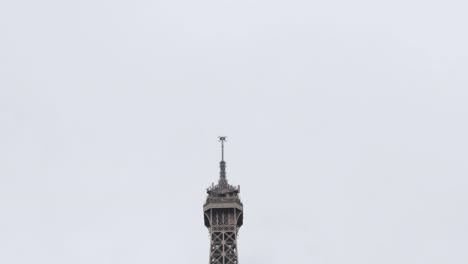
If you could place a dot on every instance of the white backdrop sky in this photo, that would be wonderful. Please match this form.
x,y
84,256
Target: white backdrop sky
x,y
347,126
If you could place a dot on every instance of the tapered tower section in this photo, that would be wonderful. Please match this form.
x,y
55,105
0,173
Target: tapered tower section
x,y
223,212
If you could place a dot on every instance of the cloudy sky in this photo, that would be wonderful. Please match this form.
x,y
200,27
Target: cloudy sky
x,y
347,124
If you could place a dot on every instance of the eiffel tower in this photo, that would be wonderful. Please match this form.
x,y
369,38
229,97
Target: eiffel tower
x,y
223,213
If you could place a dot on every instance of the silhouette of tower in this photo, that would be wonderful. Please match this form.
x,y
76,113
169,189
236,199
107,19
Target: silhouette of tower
x,y
223,213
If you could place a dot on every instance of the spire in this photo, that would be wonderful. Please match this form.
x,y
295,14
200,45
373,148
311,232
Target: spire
x,y
222,139
222,164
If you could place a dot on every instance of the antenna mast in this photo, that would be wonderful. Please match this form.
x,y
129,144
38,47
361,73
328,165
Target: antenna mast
x,y
222,139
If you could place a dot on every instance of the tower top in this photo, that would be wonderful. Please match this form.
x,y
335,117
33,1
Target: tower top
x,y
223,185
223,215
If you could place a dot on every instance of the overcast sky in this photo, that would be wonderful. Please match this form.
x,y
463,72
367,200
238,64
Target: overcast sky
x,y
347,126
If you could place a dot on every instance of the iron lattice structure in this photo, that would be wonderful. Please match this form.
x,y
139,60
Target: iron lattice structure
x,y
223,213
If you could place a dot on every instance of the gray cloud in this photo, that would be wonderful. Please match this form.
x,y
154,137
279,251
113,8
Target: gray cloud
x,y
346,124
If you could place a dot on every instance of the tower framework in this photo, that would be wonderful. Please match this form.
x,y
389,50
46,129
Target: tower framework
x,y
223,214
